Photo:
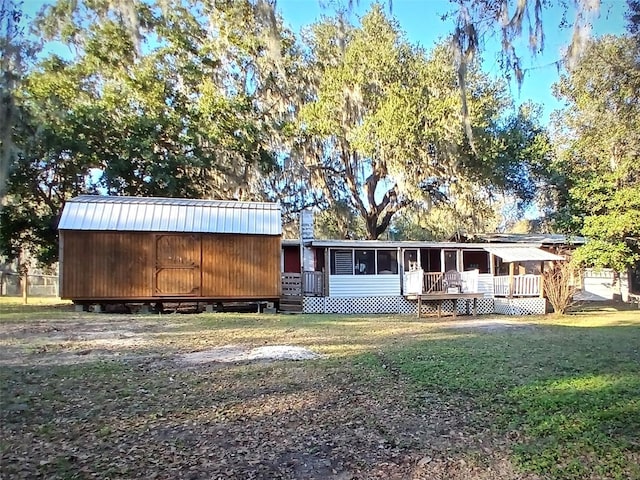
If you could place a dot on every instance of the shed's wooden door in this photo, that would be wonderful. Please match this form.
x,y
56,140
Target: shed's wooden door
x,y
178,262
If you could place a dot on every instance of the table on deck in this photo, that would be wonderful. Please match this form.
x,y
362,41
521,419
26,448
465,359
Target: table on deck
x,y
439,298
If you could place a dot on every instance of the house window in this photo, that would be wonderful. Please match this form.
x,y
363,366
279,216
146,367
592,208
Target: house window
x,y
475,260
341,262
387,262
365,262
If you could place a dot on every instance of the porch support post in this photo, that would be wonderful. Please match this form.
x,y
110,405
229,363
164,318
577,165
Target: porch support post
x,y
399,262
512,267
327,271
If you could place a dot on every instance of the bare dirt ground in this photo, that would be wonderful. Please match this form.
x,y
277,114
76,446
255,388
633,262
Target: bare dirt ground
x,y
125,396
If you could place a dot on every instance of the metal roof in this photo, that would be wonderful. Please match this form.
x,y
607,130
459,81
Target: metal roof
x,y
522,254
364,244
152,214
540,238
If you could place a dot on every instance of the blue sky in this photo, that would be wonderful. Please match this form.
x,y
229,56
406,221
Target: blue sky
x,y
421,21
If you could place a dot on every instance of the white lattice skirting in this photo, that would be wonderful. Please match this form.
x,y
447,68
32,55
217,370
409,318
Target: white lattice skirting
x,y
520,306
386,305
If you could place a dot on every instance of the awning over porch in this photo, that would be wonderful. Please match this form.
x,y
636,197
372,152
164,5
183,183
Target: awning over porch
x,y
522,254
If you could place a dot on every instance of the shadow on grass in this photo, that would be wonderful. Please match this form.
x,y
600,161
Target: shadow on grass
x,y
608,306
566,398
263,421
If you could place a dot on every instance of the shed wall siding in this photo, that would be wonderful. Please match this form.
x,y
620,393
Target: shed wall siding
x,y
239,266
107,265
122,265
364,285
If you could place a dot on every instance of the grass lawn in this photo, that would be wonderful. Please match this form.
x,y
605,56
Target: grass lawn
x,y
108,396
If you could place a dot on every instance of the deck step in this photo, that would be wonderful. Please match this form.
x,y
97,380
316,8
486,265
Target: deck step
x,y
291,304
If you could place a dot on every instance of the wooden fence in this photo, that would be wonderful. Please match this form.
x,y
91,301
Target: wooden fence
x,y
310,284
292,284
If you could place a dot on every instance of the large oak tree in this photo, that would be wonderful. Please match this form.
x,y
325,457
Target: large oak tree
x,y
384,127
168,98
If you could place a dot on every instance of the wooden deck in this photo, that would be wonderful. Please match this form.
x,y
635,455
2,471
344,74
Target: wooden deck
x,y
439,298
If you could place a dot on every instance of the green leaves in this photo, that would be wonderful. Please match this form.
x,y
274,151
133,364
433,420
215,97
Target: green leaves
x,y
385,128
602,142
158,99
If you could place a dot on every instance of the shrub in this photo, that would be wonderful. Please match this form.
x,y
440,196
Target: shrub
x,y
559,285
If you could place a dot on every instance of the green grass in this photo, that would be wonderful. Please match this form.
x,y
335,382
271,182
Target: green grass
x,y
571,393
557,397
37,308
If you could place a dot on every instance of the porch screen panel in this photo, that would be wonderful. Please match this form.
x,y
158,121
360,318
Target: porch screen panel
x,y
475,260
450,262
365,262
387,262
410,260
341,262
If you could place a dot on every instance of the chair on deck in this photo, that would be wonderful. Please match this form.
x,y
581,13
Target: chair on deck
x,y
452,279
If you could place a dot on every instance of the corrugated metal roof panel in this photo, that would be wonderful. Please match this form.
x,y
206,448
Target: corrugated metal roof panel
x,y
364,244
540,238
92,212
522,254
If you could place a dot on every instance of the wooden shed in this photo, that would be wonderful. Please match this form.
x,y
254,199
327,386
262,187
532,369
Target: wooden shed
x,y
130,249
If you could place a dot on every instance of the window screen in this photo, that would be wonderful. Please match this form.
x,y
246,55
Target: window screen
x,y
341,262
387,262
365,262
450,262
410,260
472,260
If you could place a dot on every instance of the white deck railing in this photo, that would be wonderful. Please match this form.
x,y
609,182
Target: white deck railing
x,y
419,282
517,286
413,282
424,283
470,281
313,284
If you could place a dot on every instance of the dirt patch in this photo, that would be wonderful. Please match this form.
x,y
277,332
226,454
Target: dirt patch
x,y
240,353
80,339
489,324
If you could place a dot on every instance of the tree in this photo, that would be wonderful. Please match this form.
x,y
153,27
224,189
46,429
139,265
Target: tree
x,y
160,99
14,52
384,128
601,145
